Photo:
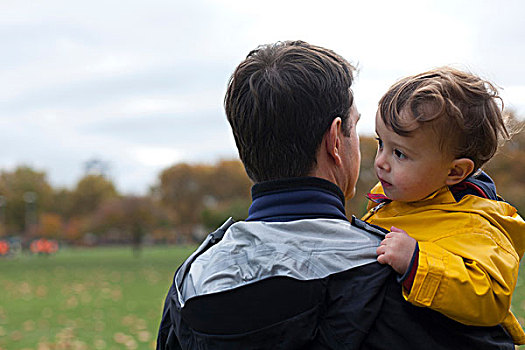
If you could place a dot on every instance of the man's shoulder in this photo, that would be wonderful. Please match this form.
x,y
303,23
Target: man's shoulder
x,y
312,313
323,232
261,286
302,249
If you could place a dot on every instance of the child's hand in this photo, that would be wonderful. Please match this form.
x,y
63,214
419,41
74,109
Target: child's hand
x,y
396,250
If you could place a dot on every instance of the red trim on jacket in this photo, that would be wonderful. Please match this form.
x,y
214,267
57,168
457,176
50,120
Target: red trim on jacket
x,y
409,280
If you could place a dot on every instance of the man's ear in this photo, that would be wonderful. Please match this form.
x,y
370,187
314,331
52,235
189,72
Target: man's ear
x,y
333,142
459,170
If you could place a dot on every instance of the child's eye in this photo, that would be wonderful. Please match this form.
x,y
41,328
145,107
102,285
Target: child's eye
x,y
399,154
379,142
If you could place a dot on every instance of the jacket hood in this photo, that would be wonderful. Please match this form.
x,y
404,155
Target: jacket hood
x,y
501,215
470,194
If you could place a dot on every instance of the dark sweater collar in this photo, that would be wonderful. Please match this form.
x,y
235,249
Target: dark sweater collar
x,y
295,199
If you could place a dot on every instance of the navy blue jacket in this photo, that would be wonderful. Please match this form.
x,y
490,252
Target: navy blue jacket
x,y
297,275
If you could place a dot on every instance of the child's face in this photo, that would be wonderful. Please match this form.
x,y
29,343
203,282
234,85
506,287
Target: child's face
x,y
410,167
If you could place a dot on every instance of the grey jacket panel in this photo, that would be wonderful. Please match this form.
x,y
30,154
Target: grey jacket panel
x,y
252,251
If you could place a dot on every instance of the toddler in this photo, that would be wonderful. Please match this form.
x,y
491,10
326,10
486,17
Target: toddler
x,y
461,244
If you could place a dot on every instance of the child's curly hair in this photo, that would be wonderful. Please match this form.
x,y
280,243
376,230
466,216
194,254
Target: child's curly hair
x,y
461,108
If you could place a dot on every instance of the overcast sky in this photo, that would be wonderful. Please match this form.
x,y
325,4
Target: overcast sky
x,y
139,84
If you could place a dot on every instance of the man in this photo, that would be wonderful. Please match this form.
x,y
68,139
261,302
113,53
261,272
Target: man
x,y
296,274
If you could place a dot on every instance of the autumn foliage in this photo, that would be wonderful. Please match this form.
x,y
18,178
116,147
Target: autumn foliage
x,y
188,200
200,197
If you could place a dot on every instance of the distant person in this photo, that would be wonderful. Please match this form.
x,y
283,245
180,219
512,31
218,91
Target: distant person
x,y
296,274
464,244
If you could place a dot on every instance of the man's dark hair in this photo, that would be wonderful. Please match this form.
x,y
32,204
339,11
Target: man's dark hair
x,y
280,102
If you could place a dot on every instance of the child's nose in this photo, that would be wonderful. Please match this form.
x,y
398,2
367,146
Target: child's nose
x,y
381,162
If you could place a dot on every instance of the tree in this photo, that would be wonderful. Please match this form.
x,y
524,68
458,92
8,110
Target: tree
x,y
62,203
50,225
228,181
74,229
197,192
90,192
27,193
367,177
183,189
212,218
129,218
507,168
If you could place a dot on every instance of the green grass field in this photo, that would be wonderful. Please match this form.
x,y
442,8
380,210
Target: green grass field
x,y
101,298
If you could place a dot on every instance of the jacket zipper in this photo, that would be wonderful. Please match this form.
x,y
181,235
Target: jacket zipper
x,y
376,208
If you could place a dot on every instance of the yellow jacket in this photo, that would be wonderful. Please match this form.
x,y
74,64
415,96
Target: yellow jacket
x,y
469,253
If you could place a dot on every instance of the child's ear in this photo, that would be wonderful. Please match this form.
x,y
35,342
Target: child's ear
x,y
459,169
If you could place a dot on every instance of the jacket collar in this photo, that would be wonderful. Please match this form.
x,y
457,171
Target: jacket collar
x,y
478,184
296,199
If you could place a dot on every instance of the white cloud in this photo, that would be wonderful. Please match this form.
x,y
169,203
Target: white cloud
x,y
141,85
197,102
157,156
514,98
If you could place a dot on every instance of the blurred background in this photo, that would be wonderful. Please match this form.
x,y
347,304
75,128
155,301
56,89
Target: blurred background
x,y
116,157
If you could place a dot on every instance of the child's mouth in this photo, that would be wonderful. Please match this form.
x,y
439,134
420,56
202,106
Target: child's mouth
x,y
385,184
